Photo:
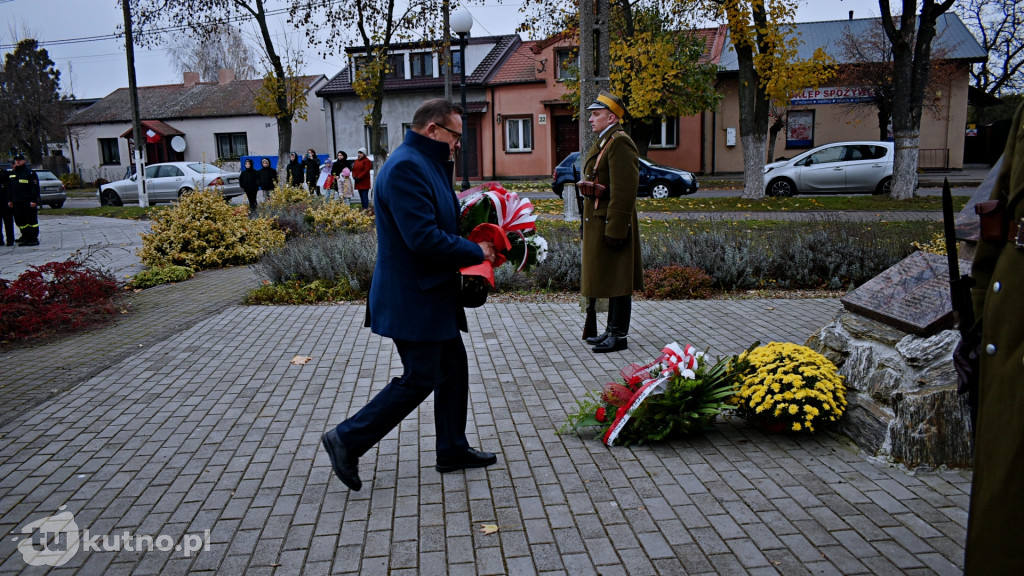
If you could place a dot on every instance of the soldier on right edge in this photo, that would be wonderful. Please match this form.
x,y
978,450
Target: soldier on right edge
x,y
997,502
612,266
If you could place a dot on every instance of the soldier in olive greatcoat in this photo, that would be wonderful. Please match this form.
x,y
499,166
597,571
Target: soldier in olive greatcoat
x,y
994,544
612,267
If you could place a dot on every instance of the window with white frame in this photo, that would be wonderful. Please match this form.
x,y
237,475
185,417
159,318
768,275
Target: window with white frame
x,y
666,134
421,64
519,134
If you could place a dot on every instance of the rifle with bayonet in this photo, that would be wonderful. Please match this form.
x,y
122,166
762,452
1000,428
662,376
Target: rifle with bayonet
x,y
590,323
965,357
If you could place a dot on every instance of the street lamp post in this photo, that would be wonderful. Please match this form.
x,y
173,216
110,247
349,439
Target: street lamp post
x,y
462,23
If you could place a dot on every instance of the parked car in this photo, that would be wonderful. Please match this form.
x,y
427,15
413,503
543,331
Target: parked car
x,y
166,182
51,189
655,180
845,167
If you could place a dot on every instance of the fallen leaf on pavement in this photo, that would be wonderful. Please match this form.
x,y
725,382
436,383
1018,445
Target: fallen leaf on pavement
x,y
301,359
488,528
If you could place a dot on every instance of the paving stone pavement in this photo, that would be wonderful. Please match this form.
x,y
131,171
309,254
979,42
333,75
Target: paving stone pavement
x,y
207,426
106,242
212,428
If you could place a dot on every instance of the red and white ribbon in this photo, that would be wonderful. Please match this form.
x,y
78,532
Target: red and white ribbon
x,y
674,360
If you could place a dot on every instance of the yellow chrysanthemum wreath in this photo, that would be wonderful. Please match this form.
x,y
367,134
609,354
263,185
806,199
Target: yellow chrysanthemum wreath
x,y
791,384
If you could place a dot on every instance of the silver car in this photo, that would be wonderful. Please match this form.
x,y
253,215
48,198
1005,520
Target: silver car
x,y
51,189
166,182
845,167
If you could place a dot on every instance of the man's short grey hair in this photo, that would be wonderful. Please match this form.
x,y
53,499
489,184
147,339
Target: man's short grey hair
x,y
437,110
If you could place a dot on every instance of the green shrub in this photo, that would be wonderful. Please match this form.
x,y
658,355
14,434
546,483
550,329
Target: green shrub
x,y
71,180
310,258
735,255
677,283
332,216
202,231
300,292
160,275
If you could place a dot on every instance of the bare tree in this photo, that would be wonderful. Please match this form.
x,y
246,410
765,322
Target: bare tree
x,y
225,48
999,27
204,19
869,58
379,25
912,58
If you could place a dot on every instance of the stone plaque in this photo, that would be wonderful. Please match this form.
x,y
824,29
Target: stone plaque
x,y
913,295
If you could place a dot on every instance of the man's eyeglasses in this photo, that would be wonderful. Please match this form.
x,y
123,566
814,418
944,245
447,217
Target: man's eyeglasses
x,y
458,135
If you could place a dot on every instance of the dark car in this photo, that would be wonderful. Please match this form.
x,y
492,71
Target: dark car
x,y
655,180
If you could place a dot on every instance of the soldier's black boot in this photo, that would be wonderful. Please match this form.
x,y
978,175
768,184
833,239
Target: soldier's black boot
x,y
619,311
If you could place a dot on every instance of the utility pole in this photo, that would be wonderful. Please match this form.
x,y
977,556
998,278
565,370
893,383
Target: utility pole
x,y
446,53
593,60
137,140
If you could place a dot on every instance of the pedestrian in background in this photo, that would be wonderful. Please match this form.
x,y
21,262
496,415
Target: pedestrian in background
x,y
340,163
249,180
6,212
311,165
414,299
325,182
295,170
267,178
345,187
23,199
361,173
612,265
997,506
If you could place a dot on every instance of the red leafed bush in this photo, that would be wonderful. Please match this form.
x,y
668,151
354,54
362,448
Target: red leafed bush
x,y
52,297
677,283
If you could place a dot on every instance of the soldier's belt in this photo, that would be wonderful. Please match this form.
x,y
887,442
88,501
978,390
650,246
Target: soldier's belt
x,y
996,227
591,189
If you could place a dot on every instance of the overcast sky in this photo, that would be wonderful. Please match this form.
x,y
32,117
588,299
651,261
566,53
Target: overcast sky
x,y
93,65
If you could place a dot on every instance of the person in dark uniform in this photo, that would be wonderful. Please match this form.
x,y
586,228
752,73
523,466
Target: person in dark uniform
x,y
23,198
250,183
294,170
997,504
267,178
6,213
414,299
612,266
311,164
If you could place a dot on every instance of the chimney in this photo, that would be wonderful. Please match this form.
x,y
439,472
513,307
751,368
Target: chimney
x,y
225,76
191,79
851,14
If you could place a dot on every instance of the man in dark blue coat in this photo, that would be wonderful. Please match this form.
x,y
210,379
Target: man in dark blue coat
x,y
413,298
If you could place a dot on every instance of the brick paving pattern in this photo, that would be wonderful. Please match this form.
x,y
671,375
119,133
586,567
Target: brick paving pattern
x,y
208,426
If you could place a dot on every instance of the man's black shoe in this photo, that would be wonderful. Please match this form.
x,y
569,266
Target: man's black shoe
x,y
597,339
31,243
469,459
612,343
345,467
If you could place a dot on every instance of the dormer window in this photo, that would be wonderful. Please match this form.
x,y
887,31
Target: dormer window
x,y
421,64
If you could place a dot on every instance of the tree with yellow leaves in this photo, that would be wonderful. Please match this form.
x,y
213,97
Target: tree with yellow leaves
x,y
655,58
761,33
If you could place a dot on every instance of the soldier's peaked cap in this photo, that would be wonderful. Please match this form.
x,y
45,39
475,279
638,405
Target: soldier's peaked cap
x,y
610,101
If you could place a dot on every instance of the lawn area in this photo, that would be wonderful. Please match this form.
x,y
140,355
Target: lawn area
x,y
123,212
